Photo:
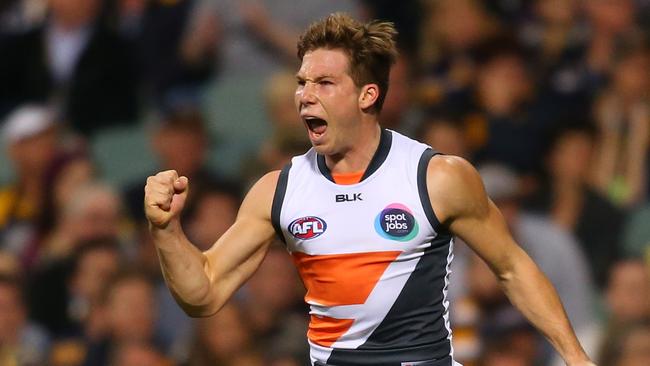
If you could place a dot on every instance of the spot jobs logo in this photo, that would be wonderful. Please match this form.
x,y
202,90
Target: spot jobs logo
x,y
396,222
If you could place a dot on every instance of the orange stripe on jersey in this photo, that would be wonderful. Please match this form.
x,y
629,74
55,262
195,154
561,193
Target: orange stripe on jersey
x,y
347,178
324,330
341,279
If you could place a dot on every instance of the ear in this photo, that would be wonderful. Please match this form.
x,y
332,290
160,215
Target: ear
x,y
368,96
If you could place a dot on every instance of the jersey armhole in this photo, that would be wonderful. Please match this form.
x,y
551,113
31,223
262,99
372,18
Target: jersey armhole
x,y
423,191
278,200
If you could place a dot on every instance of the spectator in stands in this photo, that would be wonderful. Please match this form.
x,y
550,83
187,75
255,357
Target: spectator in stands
x,y
505,125
138,354
628,292
397,112
271,302
67,172
609,22
75,61
92,267
130,311
21,342
630,347
567,198
175,46
221,338
31,136
450,31
92,213
286,138
258,38
623,116
444,134
555,251
180,129
212,213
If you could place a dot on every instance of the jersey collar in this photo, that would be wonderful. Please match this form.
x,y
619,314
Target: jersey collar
x,y
385,142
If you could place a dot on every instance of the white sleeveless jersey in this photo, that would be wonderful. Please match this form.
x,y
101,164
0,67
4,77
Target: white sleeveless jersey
x,y
372,255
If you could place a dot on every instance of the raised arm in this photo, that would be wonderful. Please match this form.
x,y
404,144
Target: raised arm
x,y
460,202
202,282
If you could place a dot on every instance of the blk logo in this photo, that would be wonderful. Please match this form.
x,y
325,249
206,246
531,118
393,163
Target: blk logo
x,y
307,227
348,197
396,222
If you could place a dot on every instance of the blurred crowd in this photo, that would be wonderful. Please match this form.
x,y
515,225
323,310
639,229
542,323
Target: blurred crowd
x,y
550,99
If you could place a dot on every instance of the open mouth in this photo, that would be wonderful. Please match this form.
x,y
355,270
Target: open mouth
x,y
316,125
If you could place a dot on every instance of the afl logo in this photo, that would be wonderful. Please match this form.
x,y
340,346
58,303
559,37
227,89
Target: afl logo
x,y
396,222
307,227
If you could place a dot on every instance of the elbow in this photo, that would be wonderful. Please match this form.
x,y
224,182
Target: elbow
x,y
201,308
505,276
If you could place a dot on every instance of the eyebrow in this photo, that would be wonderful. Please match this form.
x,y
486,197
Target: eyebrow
x,y
316,79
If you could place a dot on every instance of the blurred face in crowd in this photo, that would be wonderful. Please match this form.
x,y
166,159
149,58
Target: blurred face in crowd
x,y
214,214
94,270
557,11
611,16
180,149
570,158
94,212
459,22
631,76
32,155
138,354
73,13
328,101
445,137
503,84
132,310
73,175
628,291
225,333
12,314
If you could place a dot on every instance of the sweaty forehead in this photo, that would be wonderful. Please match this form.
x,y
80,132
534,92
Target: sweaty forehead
x,y
323,62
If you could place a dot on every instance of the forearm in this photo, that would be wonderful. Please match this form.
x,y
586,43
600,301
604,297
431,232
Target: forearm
x,y
531,292
184,269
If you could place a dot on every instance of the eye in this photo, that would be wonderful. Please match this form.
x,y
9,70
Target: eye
x,y
301,82
325,82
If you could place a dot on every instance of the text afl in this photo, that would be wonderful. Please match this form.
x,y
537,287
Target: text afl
x,y
307,227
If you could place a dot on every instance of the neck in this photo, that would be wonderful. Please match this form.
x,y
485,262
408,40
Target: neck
x,y
358,156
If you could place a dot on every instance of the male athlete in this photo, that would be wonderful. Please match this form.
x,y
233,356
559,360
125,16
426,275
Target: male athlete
x,y
368,216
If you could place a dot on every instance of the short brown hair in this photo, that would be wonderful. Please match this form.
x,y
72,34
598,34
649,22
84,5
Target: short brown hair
x,y
370,48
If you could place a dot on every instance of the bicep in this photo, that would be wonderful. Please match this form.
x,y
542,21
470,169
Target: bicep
x,y
458,196
487,234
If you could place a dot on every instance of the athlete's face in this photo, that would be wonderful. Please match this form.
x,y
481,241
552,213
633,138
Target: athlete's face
x,y
328,100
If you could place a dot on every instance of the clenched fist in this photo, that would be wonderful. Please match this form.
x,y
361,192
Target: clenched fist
x,y
164,198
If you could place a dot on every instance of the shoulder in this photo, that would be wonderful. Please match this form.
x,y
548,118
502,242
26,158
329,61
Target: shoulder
x,y
455,188
265,186
259,199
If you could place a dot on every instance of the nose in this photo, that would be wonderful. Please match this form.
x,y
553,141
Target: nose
x,y
306,95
